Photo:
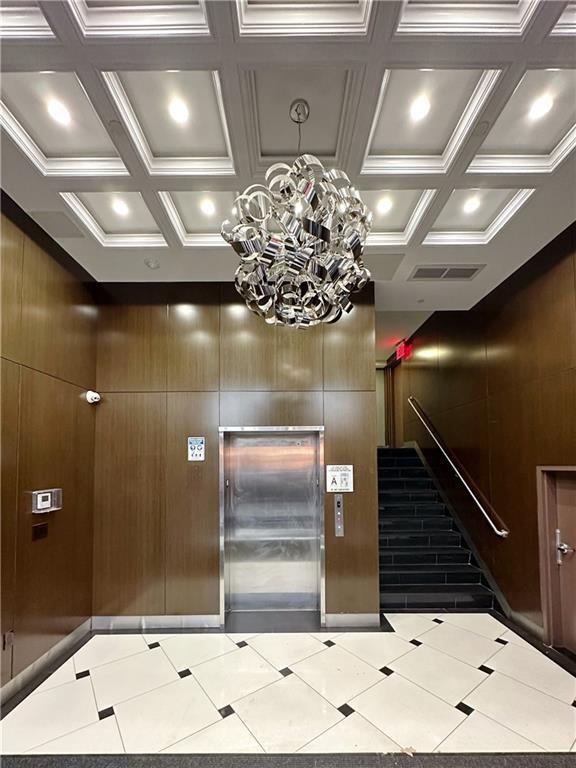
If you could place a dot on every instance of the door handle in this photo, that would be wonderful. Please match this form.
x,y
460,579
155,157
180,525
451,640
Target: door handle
x,y
562,548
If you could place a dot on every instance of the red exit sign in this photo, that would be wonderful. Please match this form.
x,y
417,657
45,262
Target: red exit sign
x,y
403,350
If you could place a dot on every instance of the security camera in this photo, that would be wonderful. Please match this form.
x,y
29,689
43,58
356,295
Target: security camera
x,y
92,397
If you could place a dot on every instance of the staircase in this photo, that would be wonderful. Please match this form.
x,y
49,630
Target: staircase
x,y
425,563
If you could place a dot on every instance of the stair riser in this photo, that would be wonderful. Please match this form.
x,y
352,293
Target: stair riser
x,y
410,484
395,497
413,510
421,540
433,600
459,557
392,463
429,577
402,473
428,524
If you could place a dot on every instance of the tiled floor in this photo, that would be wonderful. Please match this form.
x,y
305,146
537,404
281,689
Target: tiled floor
x,y
438,683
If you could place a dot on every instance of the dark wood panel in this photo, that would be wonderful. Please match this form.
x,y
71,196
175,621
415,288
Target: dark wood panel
x,y
193,343
53,581
9,407
352,561
132,350
462,376
349,347
247,346
129,504
192,506
271,409
58,320
12,249
299,358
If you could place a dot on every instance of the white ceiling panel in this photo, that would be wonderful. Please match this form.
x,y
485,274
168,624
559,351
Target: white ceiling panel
x,y
23,19
203,212
140,18
119,212
75,131
391,208
275,89
466,17
298,18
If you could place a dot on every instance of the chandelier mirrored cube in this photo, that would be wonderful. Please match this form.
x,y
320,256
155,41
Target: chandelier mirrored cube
x,y
300,239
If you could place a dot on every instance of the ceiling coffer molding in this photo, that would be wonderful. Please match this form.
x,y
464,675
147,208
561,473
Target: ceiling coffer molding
x,y
57,166
481,238
23,22
311,19
427,164
380,239
567,22
525,163
164,19
188,239
466,18
147,240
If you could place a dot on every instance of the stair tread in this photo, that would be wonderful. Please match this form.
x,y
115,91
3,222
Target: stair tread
x,y
474,589
416,567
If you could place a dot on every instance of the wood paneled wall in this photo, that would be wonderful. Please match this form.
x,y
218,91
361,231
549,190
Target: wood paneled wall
x,y
48,360
179,360
499,383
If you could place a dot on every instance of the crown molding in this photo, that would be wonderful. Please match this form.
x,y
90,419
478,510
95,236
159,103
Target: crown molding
x,y
427,164
168,20
379,239
481,238
188,239
525,163
18,22
170,166
492,21
152,240
57,166
304,20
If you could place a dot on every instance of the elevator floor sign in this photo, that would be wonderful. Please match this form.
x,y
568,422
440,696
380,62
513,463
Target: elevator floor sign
x,y
339,478
196,447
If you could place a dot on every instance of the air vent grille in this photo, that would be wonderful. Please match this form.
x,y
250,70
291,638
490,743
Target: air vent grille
x,y
446,272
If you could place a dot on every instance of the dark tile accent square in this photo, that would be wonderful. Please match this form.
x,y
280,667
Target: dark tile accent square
x,y
502,642
329,643
153,645
387,671
574,703
488,671
416,642
104,713
226,711
80,675
438,621
286,671
185,673
242,644
464,708
345,709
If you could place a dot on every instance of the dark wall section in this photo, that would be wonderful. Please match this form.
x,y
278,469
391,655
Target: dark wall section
x,y
499,384
179,360
48,361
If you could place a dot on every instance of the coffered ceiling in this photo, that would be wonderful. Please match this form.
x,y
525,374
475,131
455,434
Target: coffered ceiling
x,y
129,127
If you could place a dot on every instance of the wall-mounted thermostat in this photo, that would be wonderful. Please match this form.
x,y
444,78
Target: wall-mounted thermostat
x,y
46,501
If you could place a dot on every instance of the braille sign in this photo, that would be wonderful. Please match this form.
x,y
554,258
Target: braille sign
x,y
339,478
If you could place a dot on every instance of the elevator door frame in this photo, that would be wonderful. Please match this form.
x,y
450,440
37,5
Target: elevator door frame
x,y
223,432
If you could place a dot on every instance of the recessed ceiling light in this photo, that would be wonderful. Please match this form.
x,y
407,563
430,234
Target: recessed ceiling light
x,y
207,207
120,207
420,108
541,106
58,112
471,204
384,205
426,69
178,110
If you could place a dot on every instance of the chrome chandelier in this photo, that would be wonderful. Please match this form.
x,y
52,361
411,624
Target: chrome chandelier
x,y
300,238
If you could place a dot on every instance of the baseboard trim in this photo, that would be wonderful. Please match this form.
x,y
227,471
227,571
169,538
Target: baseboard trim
x,y
352,619
155,622
43,665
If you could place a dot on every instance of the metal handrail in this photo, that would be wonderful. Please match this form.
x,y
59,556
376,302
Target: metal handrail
x,y
418,410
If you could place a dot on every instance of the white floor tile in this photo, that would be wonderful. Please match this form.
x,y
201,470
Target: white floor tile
x,y
185,651
286,715
409,625
353,734
234,675
102,649
512,637
442,675
375,648
133,676
227,736
466,646
323,636
480,734
284,649
157,638
155,720
536,670
240,637
64,674
48,715
540,718
480,623
100,738
337,674
410,716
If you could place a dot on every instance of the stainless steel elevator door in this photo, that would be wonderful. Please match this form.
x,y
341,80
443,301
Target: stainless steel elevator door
x,y
272,522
